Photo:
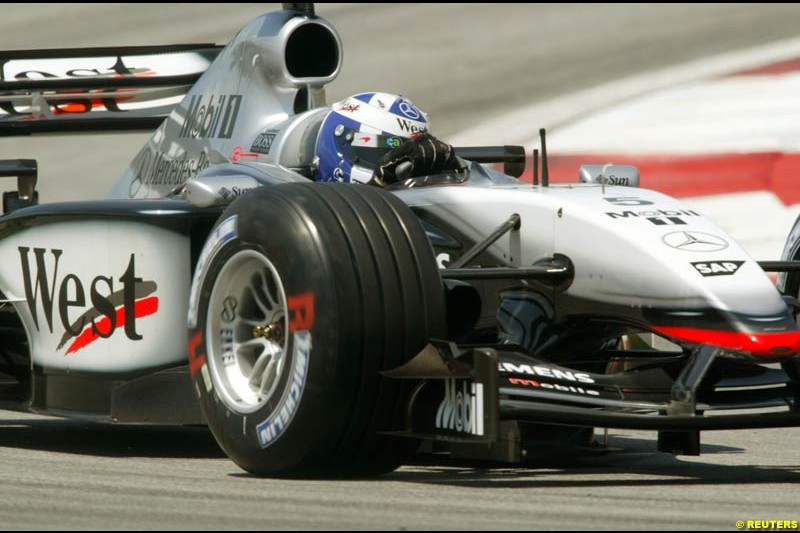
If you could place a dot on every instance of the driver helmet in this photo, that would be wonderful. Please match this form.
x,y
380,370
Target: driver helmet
x,y
359,130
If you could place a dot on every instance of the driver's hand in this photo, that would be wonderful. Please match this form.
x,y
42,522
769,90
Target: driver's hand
x,y
419,156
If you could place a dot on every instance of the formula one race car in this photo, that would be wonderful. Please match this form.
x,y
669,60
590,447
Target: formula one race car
x,y
337,327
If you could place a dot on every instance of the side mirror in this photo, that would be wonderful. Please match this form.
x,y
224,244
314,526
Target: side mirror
x,y
624,175
26,171
512,157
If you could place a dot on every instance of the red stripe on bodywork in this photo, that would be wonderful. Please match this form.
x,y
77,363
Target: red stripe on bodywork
x,y
141,308
759,344
239,154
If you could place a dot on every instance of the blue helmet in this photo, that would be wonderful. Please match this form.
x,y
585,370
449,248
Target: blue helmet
x,y
359,130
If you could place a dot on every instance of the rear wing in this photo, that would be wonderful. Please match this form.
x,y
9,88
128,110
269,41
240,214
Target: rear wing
x,y
84,90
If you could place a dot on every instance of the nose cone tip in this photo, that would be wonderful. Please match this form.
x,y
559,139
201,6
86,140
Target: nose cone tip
x,y
781,344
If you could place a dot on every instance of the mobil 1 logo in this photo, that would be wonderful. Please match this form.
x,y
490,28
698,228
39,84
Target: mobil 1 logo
x,y
657,217
717,268
462,408
211,116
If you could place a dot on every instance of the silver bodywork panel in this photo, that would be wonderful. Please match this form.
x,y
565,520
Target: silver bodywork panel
x,y
621,242
249,91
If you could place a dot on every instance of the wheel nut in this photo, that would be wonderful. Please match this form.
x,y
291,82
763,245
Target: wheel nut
x,y
271,332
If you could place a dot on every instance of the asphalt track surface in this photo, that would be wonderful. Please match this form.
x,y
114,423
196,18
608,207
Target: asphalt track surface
x,y
462,64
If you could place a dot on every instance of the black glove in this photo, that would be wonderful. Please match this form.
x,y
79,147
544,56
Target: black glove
x,y
419,156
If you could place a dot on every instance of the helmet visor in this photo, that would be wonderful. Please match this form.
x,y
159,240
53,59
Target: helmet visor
x,y
367,149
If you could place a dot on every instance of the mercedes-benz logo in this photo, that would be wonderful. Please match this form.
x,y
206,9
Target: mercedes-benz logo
x,y
409,111
694,241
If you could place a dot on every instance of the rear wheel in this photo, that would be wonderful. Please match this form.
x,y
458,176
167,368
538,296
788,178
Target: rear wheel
x,y
303,295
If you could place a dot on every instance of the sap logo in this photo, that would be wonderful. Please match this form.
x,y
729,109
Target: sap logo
x,y
410,127
717,268
109,309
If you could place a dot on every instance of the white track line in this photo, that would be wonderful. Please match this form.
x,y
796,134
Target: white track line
x,y
723,115
521,126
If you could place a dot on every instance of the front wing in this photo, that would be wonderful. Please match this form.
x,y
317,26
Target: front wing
x,y
465,394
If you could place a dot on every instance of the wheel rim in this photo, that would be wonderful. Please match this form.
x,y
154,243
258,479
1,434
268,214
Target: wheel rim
x,y
247,331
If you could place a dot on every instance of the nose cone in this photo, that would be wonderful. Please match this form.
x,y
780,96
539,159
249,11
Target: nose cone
x,y
764,337
761,345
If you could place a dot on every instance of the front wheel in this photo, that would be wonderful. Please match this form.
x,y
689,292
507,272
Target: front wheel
x,y
302,295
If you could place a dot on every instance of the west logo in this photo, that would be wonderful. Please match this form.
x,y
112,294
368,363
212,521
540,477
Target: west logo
x,y
111,307
106,100
409,126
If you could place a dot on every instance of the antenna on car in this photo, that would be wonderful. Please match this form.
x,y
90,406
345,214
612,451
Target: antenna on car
x,y
535,167
545,174
306,9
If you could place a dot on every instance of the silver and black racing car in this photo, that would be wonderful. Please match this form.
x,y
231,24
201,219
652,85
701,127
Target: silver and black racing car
x,y
337,327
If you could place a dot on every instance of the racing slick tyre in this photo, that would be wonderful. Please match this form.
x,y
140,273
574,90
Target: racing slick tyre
x,y
302,295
